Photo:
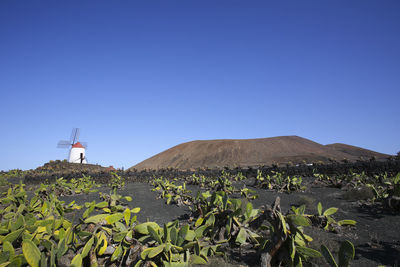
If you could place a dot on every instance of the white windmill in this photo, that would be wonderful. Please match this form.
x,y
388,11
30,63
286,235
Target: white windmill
x,y
77,151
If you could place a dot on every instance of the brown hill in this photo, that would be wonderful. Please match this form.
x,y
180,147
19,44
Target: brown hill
x,y
360,153
251,152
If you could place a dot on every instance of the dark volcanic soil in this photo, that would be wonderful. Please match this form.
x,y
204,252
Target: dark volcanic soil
x,y
376,236
151,208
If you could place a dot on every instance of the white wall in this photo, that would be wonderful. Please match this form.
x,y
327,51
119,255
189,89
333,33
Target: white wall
x,y
75,155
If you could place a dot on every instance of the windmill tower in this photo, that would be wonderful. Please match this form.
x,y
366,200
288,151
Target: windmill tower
x,y
77,151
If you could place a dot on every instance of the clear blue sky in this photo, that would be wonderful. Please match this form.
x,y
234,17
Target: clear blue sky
x,y
139,77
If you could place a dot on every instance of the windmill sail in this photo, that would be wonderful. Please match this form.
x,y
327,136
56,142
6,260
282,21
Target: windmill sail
x,y
74,135
63,144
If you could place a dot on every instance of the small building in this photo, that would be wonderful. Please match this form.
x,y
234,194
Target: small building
x,y
77,154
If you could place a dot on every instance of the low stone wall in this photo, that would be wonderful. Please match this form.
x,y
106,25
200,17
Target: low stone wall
x,y
392,167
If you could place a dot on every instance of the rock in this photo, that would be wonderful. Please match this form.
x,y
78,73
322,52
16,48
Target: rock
x,y
393,202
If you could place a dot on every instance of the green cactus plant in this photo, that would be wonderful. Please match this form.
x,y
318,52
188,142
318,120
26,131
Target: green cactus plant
x,y
346,254
325,219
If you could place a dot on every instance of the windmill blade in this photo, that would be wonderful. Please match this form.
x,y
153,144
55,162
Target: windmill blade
x,y
71,139
84,144
77,135
63,144
74,135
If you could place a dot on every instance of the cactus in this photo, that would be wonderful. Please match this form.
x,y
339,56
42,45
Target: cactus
x,y
346,254
327,221
35,232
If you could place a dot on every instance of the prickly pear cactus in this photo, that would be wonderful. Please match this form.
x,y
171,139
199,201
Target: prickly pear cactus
x,y
346,254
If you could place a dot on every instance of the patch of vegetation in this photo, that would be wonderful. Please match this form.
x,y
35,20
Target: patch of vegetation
x,y
116,181
324,219
279,182
5,177
36,232
382,187
346,254
223,182
15,173
4,181
172,193
62,187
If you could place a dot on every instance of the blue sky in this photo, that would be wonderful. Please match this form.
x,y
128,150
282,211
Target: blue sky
x,y
139,77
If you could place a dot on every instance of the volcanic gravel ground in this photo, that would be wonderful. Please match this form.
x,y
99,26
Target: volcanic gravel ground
x,y
151,208
376,236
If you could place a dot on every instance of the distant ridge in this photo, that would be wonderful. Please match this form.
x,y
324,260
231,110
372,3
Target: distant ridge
x,y
252,152
356,151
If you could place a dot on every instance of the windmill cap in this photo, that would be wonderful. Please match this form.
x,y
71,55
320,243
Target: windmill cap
x,y
77,145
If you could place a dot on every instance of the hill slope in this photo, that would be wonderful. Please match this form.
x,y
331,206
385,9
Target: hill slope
x,y
356,151
250,152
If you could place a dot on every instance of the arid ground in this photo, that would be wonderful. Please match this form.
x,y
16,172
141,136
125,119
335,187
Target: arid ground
x,y
376,236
